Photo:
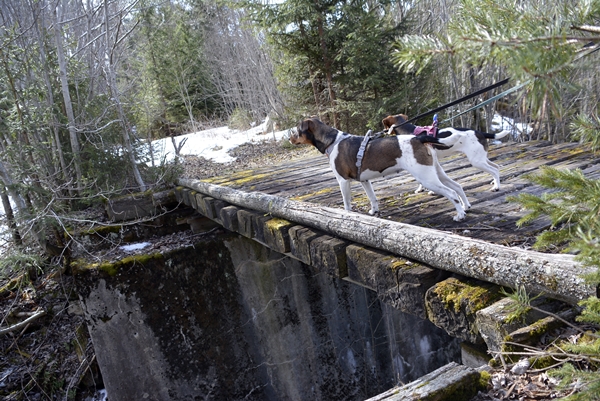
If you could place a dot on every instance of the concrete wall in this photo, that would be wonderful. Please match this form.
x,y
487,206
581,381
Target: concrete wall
x,y
229,319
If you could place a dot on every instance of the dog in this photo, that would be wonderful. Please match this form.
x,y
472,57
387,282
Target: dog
x,y
382,156
474,144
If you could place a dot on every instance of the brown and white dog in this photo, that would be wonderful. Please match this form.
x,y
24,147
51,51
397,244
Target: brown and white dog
x,y
382,157
474,144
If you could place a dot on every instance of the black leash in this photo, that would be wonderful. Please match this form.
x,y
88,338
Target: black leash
x,y
462,99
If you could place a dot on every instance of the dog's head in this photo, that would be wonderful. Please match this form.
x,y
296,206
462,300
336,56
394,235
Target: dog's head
x,y
389,121
305,132
314,132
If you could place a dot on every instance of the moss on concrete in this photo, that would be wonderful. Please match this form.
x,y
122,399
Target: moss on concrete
x,y
277,223
456,294
112,268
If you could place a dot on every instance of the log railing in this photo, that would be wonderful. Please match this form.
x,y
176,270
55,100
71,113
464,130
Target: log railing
x,y
557,276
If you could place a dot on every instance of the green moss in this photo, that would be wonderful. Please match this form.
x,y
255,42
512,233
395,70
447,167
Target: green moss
x,y
249,178
458,294
494,363
543,362
112,268
312,194
137,195
104,230
484,379
276,223
396,264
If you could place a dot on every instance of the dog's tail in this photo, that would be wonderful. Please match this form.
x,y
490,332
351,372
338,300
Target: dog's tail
x,y
498,135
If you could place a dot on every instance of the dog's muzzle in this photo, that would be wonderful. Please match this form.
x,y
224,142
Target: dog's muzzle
x,y
294,136
291,133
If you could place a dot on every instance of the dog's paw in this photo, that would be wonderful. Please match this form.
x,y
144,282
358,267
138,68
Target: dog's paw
x,y
420,189
430,193
374,212
459,217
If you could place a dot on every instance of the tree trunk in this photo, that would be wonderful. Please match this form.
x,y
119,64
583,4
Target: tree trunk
x,y
312,77
10,216
112,84
64,84
557,276
50,104
9,184
327,60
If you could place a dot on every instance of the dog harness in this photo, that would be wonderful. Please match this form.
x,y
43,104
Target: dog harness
x,y
430,130
361,153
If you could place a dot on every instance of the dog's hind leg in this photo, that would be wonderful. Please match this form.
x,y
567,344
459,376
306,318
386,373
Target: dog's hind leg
x,y
371,195
455,186
486,165
434,184
428,177
450,183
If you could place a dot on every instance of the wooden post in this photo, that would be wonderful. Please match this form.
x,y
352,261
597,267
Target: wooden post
x,y
556,275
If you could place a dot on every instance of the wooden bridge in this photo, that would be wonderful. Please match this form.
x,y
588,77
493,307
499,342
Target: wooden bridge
x,y
487,245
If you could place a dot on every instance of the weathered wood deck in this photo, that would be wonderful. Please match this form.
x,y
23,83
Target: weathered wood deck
x,y
492,218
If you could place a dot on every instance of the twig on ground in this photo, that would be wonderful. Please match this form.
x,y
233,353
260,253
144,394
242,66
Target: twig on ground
x,y
25,322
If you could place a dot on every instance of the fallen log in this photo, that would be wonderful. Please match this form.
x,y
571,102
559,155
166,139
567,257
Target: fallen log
x,y
557,276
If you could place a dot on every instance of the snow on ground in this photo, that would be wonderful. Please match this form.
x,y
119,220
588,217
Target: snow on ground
x,y
135,246
500,123
213,143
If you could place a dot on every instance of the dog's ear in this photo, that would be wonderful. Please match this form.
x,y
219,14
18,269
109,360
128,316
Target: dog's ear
x,y
303,126
388,122
310,124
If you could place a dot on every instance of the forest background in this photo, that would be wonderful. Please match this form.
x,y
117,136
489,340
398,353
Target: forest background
x,y
85,86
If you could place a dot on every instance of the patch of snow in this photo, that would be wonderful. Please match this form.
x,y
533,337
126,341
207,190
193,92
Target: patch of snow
x,y
99,396
213,144
134,247
500,123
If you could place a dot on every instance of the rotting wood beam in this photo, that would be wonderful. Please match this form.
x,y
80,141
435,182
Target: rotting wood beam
x,y
557,276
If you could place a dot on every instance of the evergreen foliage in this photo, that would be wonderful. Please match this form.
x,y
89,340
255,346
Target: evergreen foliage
x,y
534,42
332,60
549,46
176,82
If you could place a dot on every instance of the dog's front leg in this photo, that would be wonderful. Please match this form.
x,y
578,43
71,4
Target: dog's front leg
x,y
346,194
371,195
